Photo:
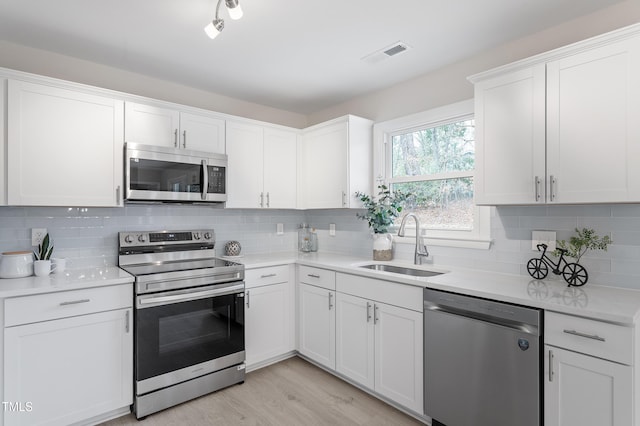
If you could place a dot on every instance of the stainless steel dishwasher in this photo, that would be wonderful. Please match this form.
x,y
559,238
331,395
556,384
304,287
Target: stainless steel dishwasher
x,y
482,361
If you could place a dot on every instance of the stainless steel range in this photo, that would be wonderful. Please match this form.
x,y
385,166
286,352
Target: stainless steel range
x,y
189,317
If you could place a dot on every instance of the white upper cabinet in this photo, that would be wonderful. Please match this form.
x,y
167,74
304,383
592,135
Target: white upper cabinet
x,y
561,127
593,137
335,162
153,125
64,147
510,138
262,166
3,143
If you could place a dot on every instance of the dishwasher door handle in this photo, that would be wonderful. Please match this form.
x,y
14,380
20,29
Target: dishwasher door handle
x,y
514,325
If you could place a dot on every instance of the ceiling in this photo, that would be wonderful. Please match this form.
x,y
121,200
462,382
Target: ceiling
x,y
300,56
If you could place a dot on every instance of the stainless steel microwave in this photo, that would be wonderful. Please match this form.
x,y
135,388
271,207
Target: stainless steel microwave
x,y
159,174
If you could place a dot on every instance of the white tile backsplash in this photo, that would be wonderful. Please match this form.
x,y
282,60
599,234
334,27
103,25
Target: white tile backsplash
x,y
88,237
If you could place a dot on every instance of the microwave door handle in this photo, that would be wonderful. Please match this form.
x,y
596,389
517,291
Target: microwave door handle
x,y
205,179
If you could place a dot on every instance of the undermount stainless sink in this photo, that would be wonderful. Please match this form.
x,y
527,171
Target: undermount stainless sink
x,y
401,270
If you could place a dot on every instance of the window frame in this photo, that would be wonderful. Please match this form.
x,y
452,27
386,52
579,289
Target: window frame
x,y
479,236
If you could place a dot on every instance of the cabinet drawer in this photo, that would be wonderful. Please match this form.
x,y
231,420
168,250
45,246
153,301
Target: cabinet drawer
x,y
316,276
264,276
591,337
391,293
44,307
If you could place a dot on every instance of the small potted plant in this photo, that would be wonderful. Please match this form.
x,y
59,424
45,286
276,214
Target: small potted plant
x,y
380,215
42,264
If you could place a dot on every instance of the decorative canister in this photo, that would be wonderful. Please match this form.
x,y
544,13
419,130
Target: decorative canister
x,y
232,248
382,247
16,264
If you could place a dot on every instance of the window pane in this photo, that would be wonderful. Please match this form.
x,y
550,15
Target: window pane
x,y
441,204
445,148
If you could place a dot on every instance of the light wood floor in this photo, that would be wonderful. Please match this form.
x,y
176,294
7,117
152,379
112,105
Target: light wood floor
x,y
291,392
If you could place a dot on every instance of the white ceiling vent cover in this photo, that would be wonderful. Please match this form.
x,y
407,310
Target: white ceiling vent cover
x,y
386,53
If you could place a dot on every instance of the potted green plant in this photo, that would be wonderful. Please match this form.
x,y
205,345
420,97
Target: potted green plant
x,y
42,264
380,214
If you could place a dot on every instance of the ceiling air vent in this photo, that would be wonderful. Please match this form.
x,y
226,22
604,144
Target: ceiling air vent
x,y
386,52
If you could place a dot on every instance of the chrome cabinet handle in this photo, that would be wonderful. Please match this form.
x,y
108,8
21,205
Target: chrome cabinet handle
x,y
313,275
205,180
75,302
267,276
126,322
537,188
368,311
175,138
118,194
376,317
550,365
344,199
588,336
262,199
552,184
330,301
267,199
184,138
248,297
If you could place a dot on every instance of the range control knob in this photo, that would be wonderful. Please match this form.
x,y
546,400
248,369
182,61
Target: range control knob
x,y
207,235
196,236
141,238
128,239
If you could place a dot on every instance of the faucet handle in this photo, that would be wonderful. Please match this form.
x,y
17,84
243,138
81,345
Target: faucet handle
x,y
422,246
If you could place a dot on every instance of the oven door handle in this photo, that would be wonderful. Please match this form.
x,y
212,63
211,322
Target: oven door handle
x,y
174,298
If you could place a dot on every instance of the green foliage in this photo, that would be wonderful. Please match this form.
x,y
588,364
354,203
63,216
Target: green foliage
x,y
427,152
587,239
382,212
44,249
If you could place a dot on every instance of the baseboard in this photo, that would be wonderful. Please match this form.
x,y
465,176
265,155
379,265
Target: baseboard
x,y
258,365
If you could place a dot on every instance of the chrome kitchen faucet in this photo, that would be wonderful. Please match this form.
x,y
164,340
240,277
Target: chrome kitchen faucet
x,y
421,251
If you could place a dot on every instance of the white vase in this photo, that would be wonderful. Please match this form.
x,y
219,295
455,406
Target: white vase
x,y
382,247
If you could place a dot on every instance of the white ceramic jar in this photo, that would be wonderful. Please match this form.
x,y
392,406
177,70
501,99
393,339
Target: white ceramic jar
x,y
16,264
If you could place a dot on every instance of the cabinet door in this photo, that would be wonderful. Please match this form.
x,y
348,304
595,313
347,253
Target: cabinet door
x,y
317,324
280,168
593,139
64,147
354,339
586,391
398,355
3,143
151,125
267,322
324,175
245,165
69,369
202,133
510,138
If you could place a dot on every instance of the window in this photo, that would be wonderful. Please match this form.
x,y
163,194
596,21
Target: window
x,y
432,156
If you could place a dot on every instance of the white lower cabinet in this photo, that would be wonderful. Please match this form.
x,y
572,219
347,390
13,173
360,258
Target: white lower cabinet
x,y
268,315
380,346
588,372
586,391
317,324
71,369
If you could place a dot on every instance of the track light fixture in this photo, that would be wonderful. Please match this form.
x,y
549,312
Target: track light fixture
x,y
216,26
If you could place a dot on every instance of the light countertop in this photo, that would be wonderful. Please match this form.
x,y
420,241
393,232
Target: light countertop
x,y
73,279
611,304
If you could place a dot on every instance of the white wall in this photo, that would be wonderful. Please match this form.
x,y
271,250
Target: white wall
x,y
449,84
54,65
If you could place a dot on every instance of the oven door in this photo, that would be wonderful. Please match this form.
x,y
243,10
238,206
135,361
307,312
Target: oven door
x,y
178,175
183,334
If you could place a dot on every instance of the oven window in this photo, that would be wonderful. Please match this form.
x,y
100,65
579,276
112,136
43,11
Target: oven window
x,y
178,335
167,176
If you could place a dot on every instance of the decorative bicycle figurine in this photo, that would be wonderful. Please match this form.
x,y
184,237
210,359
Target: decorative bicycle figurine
x,y
573,273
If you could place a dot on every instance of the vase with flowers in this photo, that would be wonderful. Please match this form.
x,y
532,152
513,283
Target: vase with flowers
x,y
380,214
